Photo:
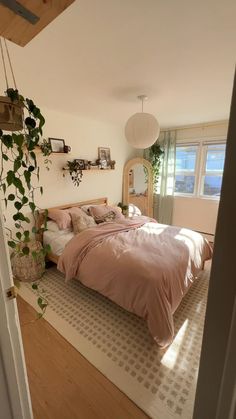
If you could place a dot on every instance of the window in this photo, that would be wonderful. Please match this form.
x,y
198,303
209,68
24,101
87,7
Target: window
x,y
185,171
211,178
199,169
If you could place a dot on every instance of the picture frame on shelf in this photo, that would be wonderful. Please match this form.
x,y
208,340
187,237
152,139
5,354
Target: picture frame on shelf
x,y
81,163
104,153
57,145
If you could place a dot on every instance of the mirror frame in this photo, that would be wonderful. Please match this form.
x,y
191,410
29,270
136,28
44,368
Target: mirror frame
x,y
127,168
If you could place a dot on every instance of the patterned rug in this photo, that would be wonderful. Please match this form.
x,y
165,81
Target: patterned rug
x,y
161,382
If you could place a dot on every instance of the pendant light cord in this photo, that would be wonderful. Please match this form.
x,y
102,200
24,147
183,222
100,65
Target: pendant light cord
x,y
4,64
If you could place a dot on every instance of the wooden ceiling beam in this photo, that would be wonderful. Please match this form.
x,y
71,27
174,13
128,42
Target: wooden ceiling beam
x,y
18,30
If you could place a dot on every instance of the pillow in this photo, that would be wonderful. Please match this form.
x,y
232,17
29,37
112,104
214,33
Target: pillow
x,y
62,218
52,226
102,213
80,220
86,208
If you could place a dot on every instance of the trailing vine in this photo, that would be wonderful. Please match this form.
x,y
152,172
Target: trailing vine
x,y
75,171
18,172
155,154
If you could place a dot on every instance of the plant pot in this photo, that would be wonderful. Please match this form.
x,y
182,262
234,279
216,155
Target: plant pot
x,y
11,114
27,267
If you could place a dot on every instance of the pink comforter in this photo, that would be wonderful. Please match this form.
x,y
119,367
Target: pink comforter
x,y
146,268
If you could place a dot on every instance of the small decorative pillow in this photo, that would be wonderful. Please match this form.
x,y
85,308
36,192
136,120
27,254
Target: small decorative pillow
x,y
52,226
104,213
80,220
62,218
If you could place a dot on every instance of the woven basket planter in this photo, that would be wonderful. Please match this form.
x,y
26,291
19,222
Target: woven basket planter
x,y
27,268
11,114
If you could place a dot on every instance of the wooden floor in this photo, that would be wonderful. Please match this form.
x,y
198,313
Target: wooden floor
x,y
63,384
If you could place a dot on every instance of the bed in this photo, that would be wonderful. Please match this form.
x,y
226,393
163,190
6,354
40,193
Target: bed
x,y
141,265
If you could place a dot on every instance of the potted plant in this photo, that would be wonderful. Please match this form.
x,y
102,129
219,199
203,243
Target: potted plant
x,y
18,171
75,171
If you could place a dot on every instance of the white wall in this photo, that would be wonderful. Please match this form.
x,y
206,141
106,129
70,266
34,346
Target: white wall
x,y
196,213
84,135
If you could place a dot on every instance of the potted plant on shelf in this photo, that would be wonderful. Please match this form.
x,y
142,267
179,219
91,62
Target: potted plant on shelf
x,y
75,171
18,171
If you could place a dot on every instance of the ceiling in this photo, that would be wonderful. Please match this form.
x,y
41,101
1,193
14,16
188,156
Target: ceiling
x,y
99,55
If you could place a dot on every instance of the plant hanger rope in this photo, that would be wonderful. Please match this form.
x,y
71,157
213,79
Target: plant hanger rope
x,y
4,63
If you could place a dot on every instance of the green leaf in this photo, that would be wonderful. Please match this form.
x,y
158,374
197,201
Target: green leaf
x,y
10,177
4,156
18,139
12,244
34,286
7,140
18,205
11,197
41,190
47,248
24,200
18,184
27,176
4,188
31,168
25,250
17,165
18,235
17,225
26,233
27,220
32,206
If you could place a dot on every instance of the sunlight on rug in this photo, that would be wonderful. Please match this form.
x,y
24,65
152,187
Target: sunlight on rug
x,y
161,382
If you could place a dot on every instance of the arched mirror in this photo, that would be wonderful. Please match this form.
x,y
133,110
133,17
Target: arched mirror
x,y
138,185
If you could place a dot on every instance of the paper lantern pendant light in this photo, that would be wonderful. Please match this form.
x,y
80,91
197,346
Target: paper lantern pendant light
x,y
142,129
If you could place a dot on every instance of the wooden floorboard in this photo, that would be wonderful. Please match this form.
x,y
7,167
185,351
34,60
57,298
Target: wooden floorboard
x,y
63,384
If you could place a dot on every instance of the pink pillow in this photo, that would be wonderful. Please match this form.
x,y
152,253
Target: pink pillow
x,y
103,213
62,218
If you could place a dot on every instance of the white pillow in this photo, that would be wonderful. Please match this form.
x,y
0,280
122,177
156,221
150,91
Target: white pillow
x,y
52,226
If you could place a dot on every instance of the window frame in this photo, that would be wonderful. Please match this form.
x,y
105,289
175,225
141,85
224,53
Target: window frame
x,y
200,167
188,173
203,172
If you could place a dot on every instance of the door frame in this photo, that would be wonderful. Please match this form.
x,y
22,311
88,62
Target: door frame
x,y
11,346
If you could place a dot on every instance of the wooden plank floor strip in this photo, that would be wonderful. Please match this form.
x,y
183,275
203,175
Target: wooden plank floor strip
x,y
63,384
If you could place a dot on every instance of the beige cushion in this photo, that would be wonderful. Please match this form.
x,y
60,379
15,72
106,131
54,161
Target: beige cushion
x,y
103,213
80,220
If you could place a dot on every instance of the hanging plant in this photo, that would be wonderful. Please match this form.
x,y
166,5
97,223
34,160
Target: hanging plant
x,y
18,171
74,169
155,154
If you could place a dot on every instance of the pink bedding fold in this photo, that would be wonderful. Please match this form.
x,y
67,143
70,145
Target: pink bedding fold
x,y
145,267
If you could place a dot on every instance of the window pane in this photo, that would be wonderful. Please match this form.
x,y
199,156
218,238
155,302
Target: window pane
x,y
184,184
215,157
212,185
186,158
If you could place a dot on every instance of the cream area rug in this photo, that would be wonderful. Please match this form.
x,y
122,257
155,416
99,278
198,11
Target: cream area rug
x,y
161,382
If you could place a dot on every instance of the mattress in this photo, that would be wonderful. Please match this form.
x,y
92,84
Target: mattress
x,y
57,240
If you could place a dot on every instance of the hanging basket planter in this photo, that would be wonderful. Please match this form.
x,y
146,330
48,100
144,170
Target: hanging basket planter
x,y
11,114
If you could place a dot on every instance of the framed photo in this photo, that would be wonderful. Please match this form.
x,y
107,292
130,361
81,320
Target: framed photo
x,y
104,154
81,163
57,145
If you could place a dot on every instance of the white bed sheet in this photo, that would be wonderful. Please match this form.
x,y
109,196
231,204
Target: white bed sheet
x,y
57,240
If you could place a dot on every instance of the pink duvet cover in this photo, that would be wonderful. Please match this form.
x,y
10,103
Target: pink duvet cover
x,y
145,267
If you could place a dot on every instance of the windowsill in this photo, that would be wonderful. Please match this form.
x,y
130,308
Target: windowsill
x,y
203,198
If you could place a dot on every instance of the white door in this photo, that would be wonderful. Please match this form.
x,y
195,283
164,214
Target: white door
x,y
14,391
